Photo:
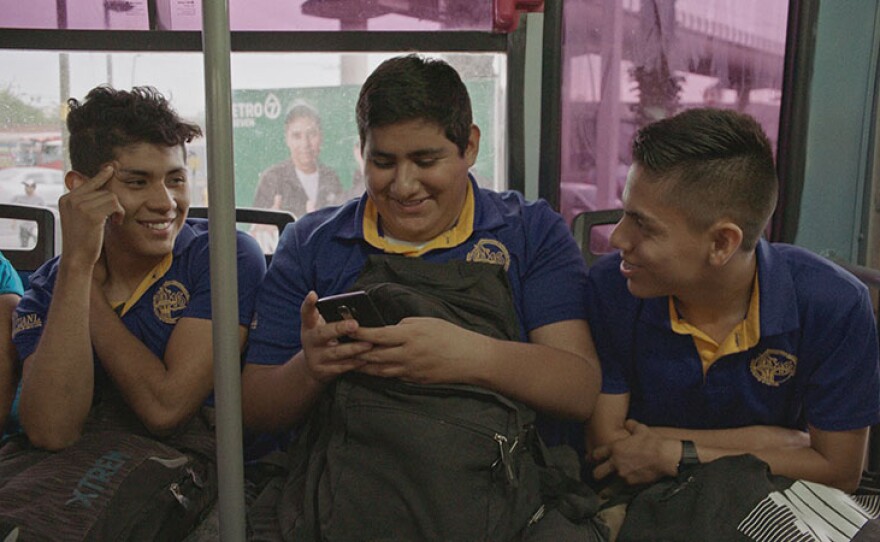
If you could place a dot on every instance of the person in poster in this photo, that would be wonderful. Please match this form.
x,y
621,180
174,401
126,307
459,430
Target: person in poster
x,y
301,183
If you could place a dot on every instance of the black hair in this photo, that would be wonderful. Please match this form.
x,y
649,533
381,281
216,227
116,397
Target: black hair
x,y
108,119
412,87
718,165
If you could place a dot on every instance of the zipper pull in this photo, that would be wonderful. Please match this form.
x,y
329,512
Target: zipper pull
x,y
506,460
197,480
179,496
538,515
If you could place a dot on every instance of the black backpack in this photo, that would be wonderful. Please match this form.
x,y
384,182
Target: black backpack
x,y
385,460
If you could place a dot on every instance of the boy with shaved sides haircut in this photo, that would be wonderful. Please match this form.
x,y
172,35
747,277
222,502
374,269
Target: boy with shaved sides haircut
x,y
124,312
714,342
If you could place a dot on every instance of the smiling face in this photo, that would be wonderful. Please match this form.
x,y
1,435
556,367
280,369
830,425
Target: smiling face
x,y
662,254
151,185
417,178
303,138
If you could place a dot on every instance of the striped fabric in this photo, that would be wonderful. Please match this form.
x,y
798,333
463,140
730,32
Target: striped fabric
x,y
809,512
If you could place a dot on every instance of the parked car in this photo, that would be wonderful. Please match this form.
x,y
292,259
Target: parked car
x,y
49,183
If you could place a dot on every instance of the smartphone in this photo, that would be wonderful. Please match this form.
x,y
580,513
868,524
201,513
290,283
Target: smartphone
x,y
350,306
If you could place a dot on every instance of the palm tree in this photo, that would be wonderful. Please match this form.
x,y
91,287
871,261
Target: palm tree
x,y
659,88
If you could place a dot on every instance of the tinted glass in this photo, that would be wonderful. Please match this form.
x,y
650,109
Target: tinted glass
x,y
265,87
628,62
326,15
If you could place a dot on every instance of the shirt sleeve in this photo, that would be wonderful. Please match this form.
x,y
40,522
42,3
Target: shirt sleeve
x,y
843,391
607,319
251,266
30,315
555,275
275,331
251,270
10,281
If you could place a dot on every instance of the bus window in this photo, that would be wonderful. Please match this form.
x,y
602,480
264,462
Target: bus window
x,y
629,62
296,143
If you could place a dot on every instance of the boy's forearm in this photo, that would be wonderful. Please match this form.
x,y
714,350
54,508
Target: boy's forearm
x,y
830,458
58,378
163,393
276,397
750,438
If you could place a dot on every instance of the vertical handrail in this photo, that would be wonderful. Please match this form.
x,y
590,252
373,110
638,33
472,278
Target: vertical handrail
x,y
609,114
224,272
550,165
800,44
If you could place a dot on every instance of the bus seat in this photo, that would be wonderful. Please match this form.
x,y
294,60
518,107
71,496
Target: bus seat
x,y
26,261
582,228
252,215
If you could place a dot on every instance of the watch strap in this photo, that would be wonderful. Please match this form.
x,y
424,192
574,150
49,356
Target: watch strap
x,y
689,457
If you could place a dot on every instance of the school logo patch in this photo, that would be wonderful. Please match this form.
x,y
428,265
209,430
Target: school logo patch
x,y
169,300
490,251
27,321
773,367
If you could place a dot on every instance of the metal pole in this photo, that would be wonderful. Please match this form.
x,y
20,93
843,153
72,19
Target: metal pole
x,y
550,164
64,84
224,275
608,118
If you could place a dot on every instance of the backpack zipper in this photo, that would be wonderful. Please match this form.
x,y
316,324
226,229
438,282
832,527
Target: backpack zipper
x,y
506,457
174,488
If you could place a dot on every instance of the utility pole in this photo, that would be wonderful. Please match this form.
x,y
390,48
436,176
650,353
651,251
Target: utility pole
x,y
64,77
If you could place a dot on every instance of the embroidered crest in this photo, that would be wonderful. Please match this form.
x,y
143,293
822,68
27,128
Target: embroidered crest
x,y
27,321
773,367
169,299
490,251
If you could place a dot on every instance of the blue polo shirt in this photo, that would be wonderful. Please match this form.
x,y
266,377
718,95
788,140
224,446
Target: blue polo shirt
x,y
816,361
182,291
326,250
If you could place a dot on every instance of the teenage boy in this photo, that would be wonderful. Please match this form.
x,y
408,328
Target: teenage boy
x,y
713,341
418,142
126,309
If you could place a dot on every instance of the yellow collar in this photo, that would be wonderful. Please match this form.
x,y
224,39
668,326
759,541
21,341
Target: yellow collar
x,y
744,336
154,275
452,237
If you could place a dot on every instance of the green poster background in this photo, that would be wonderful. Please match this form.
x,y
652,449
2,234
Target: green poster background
x,y
258,130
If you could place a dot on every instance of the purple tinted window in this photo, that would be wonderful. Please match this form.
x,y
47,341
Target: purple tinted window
x,y
257,15
628,62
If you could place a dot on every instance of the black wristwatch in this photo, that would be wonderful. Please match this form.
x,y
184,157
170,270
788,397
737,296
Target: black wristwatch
x,y
689,457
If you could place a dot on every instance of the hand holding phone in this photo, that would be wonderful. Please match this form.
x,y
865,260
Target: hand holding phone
x,y
350,306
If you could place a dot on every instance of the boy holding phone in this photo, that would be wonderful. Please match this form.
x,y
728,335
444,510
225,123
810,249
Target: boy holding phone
x,y
418,143
421,202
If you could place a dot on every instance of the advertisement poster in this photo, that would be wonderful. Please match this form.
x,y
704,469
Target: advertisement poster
x,y
258,118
